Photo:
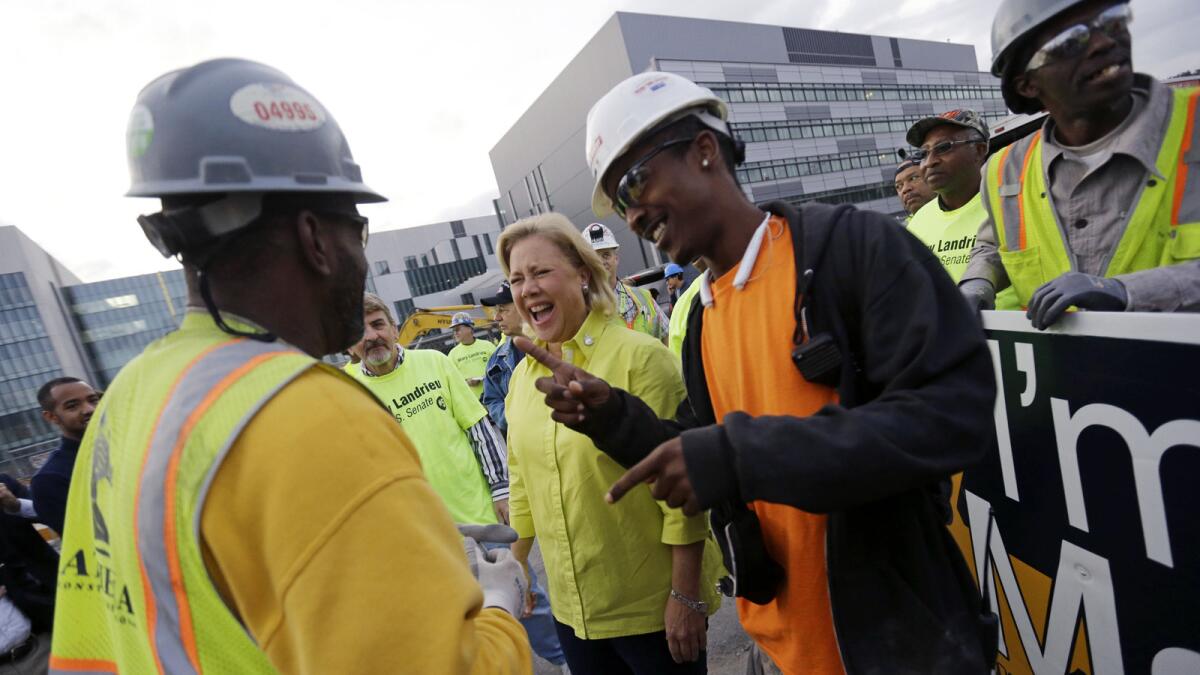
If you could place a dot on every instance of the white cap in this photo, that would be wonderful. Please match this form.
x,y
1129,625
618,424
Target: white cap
x,y
600,237
636,106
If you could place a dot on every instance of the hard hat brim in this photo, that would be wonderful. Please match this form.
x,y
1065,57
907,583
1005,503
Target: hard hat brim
x,y
601,204
362,193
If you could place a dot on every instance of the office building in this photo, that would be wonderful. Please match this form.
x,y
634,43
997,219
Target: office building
x,y
451,263
117,318
822,112
52,324
36,345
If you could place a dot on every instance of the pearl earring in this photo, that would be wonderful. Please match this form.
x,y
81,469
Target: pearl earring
x,y
704,162
585,287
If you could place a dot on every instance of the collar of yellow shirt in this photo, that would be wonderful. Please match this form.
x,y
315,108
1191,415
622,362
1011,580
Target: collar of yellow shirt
x,y
586,338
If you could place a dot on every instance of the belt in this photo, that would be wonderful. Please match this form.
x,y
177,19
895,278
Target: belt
x,y
20,651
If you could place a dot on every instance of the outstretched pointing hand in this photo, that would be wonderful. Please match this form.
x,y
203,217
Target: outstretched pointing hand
x,y
571,392
666,472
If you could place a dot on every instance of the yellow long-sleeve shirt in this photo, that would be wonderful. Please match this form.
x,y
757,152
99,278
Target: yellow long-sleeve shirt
x,y
608,565
321,532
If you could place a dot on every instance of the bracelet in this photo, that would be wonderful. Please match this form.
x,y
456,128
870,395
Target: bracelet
x,y
697,606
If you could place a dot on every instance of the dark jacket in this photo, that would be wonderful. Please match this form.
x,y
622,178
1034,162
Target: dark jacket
x,y
496,375
28,565
915,406
52,483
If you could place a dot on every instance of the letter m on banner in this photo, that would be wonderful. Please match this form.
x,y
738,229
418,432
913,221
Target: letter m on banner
x,y
1094,555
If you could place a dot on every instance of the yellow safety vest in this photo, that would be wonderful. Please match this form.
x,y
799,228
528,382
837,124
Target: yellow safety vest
x,y
1163,229
679,317
134,595
645,320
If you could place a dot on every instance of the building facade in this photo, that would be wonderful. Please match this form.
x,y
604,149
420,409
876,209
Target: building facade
x,y
52,324
115,319
36,345
451,263
822,113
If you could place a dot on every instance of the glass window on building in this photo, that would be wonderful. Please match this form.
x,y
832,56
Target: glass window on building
x,y
27,361
404,309
381,267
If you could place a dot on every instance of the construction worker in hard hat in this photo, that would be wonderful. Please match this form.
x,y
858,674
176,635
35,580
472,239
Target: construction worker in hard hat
x,y
821,437
1100,208
673,274
224,517
635,306
680,312
471,354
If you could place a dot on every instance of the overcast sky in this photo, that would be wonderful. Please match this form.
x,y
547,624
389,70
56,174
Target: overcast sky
x,y
423,90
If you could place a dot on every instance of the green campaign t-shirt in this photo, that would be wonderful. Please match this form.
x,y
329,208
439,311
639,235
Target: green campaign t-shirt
x,y
428,397
950,235
471,360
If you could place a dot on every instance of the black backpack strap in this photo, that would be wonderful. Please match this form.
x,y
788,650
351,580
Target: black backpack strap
x,y
817,357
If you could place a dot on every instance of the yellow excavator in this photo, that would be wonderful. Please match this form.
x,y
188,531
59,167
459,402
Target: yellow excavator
x,y
427,319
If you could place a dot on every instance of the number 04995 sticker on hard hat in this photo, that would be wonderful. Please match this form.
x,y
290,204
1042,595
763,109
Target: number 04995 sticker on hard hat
x,y
278,107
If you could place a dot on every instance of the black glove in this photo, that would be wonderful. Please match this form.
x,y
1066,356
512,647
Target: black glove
x,y
979,293
1085,291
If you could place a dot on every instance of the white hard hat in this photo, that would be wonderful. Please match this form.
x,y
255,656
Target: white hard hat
x,y
636,106
461,319
600,237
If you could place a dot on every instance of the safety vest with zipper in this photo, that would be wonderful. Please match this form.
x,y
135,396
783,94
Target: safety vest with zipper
x,y
645,318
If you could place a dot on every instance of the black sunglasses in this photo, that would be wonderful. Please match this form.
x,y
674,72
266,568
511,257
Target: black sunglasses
x,y
939,149
633,183
1113,22
354,219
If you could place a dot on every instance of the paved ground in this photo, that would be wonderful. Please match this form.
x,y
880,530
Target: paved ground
x,y
727,642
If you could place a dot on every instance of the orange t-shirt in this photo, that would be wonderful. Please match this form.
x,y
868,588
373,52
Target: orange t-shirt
x,y
747,348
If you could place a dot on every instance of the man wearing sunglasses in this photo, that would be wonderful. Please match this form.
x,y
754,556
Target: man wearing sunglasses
x,y
1100,209
223,516
823,478
951,148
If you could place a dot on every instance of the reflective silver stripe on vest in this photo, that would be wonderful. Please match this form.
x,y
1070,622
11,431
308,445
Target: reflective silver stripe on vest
x,y
190,391
1010,191
1189,205
219,458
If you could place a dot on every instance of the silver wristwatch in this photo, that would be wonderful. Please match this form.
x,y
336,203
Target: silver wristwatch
x,y
698,606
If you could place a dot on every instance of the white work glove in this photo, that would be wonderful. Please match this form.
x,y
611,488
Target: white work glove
x,y
501,576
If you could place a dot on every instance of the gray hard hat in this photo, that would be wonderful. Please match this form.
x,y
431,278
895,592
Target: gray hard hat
x,y
237,128
1014,24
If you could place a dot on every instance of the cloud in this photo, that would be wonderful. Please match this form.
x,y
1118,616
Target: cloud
x,y
422,90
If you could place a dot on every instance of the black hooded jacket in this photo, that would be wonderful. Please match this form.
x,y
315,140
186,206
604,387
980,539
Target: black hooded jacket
x,y
28,565
916,391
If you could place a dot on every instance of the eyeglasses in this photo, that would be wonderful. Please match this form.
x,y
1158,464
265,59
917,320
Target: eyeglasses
x,y
1113,22
354,219
633,183
939,149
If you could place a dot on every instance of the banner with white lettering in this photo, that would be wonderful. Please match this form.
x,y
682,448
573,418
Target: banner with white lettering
x,y
1093,556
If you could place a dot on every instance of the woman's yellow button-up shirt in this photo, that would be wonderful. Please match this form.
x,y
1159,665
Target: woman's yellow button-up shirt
x,y
608,566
